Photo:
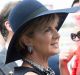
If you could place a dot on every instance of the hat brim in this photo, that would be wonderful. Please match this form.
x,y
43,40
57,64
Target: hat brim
x,y
13,54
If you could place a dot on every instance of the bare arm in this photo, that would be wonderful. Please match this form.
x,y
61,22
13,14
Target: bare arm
x,y
63,69
2,41
64,58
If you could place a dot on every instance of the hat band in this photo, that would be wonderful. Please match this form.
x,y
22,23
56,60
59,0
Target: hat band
x,y
36,13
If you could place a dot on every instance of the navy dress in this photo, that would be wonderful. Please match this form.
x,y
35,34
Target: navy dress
x,y
23,70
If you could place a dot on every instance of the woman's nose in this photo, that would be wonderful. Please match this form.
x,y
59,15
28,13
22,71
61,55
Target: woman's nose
x,y
56,35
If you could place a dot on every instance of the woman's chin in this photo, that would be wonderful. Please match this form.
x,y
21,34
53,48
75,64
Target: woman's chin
x,y
54,53
55,50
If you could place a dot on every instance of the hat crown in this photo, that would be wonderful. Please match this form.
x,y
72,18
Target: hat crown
x,y
23,12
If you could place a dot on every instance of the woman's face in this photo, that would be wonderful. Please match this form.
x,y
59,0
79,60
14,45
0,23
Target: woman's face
x,y
47,41
76,36
77,20
78,42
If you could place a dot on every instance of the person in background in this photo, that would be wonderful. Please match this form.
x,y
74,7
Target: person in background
x,y
76,38
6,33
36,37
2,42
76,66
54,63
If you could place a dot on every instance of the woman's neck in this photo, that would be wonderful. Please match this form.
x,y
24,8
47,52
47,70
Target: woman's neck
x,y
38,59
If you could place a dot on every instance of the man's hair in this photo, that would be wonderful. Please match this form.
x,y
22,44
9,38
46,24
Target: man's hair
x,y
4,16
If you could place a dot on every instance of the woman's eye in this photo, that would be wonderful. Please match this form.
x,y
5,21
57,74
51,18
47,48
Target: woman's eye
x,y
47,30
56,28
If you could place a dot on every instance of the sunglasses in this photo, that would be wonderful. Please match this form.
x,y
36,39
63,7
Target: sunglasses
x,y
74,36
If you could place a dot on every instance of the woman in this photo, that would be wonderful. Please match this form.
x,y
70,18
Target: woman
x,y
35,37
76,66
76,38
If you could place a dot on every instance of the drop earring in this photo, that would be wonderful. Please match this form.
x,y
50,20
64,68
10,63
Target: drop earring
x,y
30,49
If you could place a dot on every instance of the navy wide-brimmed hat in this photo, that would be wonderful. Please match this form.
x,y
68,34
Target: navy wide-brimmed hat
x,y
24,12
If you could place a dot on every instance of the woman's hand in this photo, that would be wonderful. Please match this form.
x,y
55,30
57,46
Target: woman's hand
x,y
64,58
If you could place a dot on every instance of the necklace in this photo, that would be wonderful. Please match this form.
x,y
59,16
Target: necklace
x,y
47,71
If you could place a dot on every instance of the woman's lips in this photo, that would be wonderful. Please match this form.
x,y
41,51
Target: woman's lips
x,y
56,45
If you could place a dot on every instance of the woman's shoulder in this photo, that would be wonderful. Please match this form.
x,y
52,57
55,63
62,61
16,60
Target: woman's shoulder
x,y
30,73
26,71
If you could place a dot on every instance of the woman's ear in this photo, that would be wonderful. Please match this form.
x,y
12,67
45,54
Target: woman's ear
x,y
7,25
26,40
